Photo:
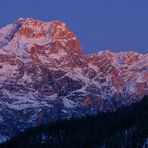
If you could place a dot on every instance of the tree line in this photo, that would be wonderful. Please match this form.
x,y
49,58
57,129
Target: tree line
x,y
126,127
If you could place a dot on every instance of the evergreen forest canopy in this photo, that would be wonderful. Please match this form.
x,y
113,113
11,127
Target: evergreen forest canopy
x,y
127,127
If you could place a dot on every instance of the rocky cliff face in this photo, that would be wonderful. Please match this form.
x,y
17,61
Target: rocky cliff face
x,y
45,76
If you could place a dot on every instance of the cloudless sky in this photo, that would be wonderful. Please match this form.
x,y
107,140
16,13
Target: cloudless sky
x,y
118,25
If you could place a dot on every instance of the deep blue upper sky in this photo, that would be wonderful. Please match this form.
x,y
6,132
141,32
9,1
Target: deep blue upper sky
x,y
118,25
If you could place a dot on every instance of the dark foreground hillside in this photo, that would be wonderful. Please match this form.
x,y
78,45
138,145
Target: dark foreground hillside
x,y
127,127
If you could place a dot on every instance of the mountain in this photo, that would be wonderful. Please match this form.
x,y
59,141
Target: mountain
x,y
45,76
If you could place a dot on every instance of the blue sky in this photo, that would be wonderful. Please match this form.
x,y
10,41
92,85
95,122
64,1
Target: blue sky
x,y
118,25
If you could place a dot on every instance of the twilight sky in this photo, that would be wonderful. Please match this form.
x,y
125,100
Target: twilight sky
x,y
118,25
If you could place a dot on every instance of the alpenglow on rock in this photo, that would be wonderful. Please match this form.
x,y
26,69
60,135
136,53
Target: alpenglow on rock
x,y
44,76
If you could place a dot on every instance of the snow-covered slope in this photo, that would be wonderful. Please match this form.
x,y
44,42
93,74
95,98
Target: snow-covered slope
x,y
45,76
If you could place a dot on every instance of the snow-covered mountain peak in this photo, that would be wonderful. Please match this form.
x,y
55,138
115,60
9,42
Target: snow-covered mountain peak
x,y
44,76
20,37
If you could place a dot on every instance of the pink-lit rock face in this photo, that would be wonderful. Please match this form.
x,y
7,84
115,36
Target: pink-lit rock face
x,y
55,33
44,76
34,29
